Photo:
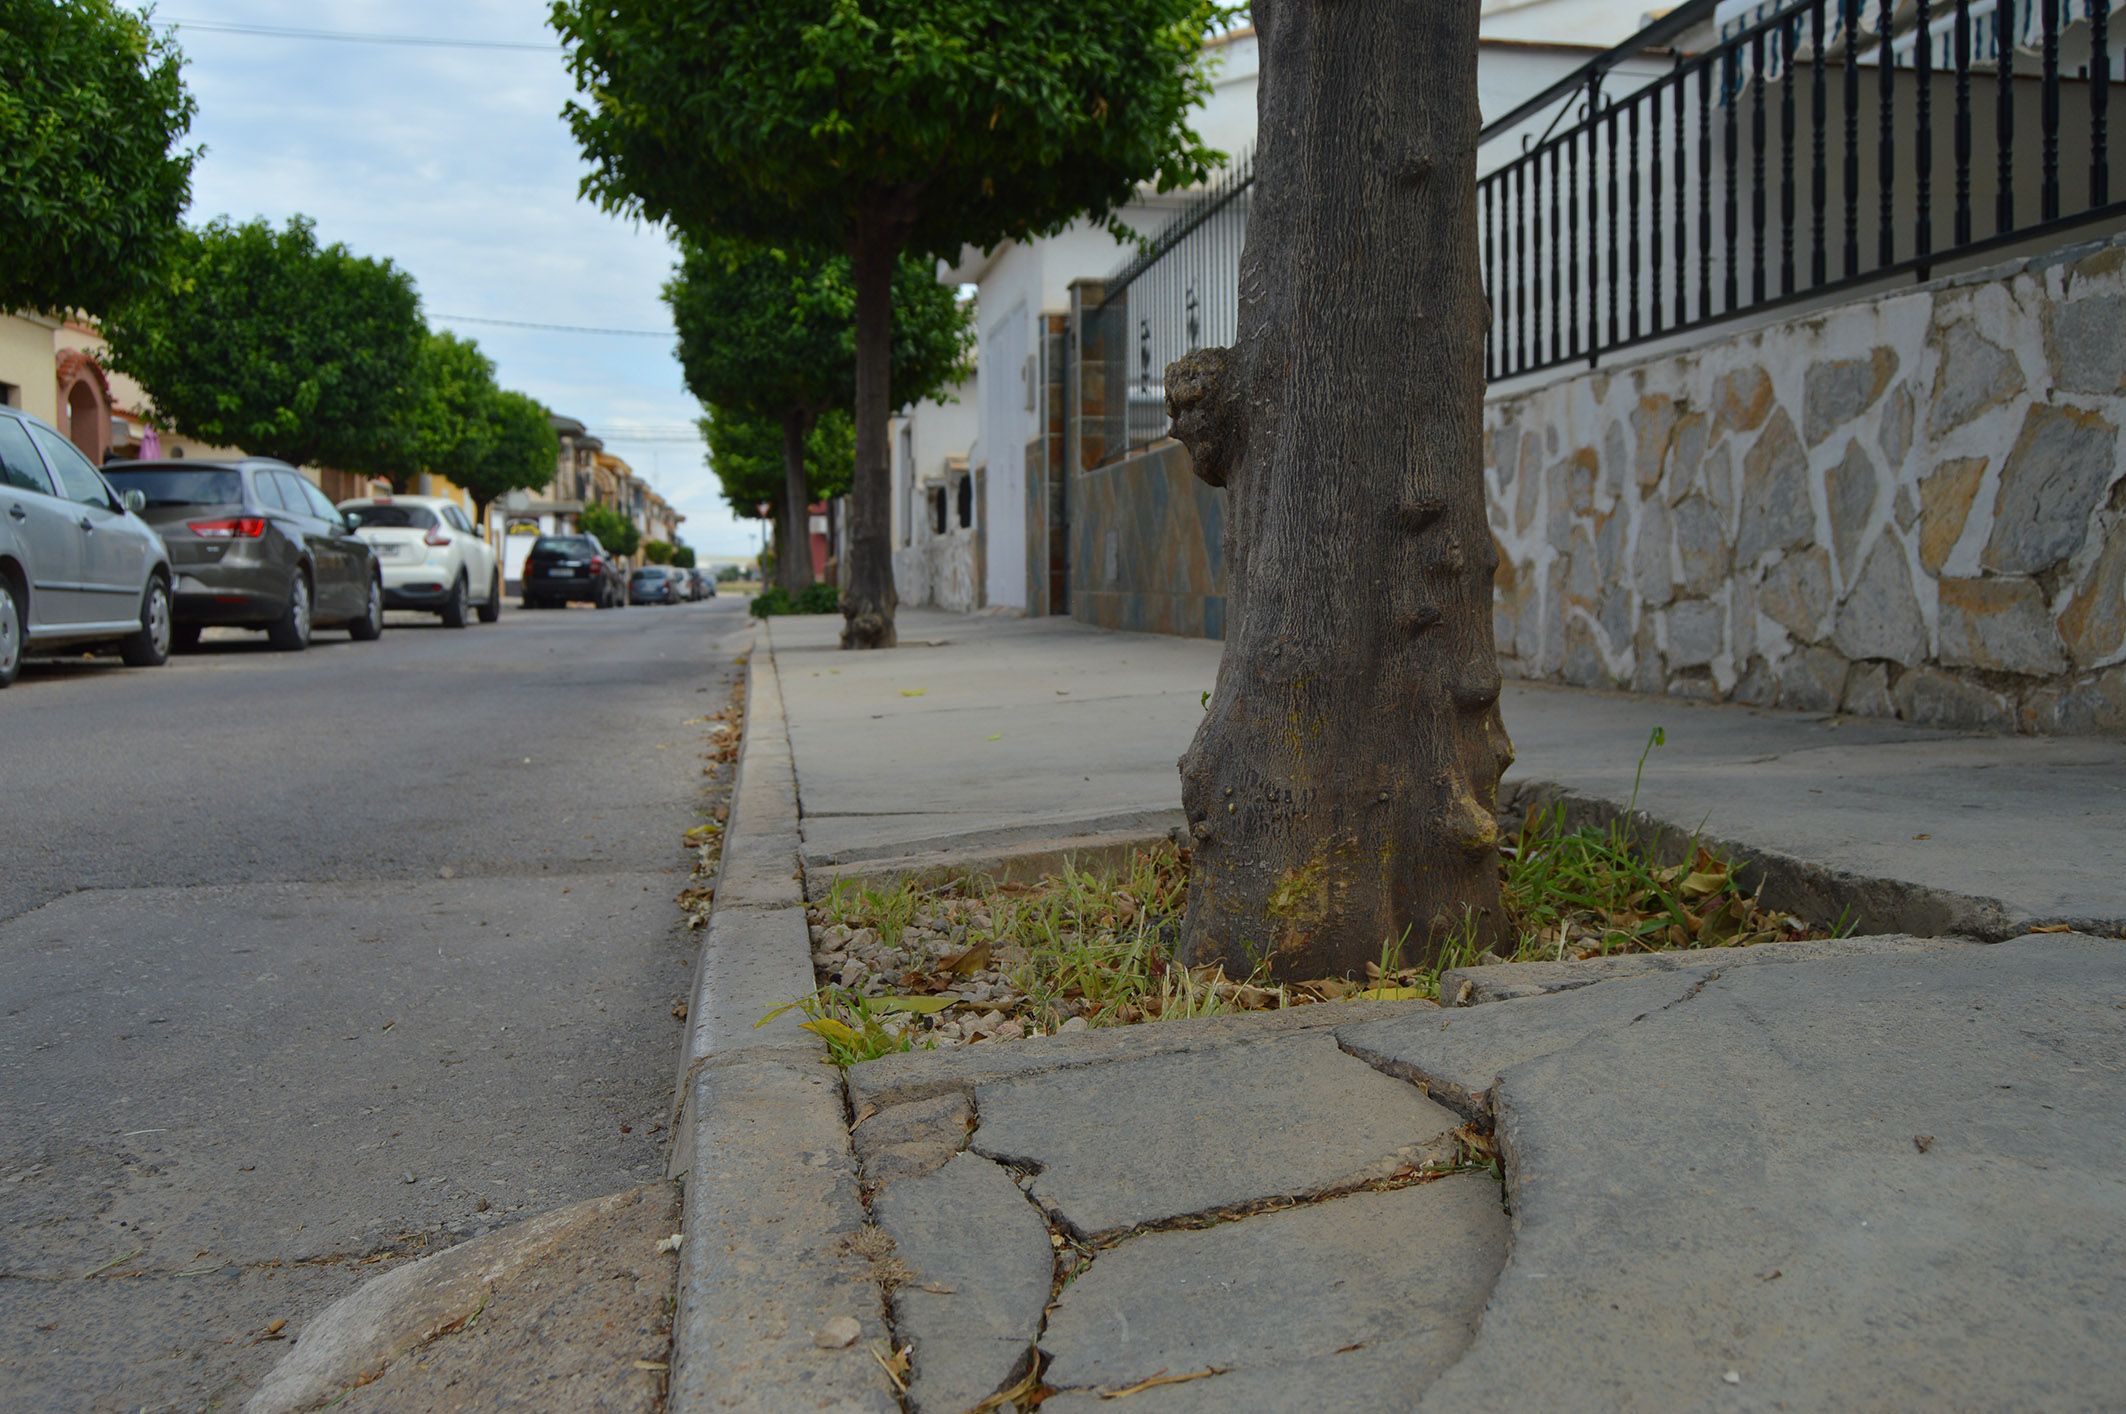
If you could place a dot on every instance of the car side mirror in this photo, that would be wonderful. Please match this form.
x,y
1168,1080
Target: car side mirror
x,y
134,500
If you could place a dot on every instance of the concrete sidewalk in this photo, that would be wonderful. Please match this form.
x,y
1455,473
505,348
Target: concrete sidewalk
x,y
978,732
1876,1173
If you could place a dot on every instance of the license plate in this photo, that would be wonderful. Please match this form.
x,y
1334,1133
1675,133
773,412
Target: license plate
x,y
387,552
560,572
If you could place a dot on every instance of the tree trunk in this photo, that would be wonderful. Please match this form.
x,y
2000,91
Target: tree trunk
x,y
794,571
1342,787
868,598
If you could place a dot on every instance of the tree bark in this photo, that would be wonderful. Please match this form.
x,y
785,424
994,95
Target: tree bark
x,y
794,572
868,598
1342,787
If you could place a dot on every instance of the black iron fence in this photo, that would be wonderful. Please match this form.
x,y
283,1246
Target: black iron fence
x,y
1800,148
1816,145
1179,294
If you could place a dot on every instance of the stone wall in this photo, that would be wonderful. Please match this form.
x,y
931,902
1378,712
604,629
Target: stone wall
x,y
1906,506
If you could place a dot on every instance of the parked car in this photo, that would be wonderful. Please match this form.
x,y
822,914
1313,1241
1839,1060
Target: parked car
x,y
78,566
256,545
653,584
704,583
432,556
563,568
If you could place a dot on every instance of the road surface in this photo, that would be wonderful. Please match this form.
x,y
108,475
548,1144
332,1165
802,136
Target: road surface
x,y
312,963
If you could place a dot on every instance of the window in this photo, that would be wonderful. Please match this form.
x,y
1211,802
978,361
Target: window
x,y
175,486
966,503
78,480
269,491
10,395
457,520
937,510
319,503
19,466
393,517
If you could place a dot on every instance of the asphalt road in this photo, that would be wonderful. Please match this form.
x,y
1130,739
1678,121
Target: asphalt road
x,y
309,964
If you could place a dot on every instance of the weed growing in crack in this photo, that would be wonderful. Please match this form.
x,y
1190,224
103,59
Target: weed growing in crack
x,y
973,960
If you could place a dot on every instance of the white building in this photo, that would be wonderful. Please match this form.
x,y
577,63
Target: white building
x,y
1014,444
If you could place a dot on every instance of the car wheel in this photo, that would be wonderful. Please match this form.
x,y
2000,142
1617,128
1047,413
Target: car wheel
x,y
370,626
453,614
290,633
185,637
10,632
150,648
491,608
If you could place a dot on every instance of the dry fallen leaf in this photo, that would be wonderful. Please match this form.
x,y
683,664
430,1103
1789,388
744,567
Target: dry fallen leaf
x,y
965,964
895,1366
1162,1378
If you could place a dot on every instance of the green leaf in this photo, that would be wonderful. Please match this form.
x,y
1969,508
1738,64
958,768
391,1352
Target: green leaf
x,y
921,1006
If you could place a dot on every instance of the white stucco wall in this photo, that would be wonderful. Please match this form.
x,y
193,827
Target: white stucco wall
x,y
26,364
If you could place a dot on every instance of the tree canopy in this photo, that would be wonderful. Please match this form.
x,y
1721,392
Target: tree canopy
x,y
772,330
883,127
614,531
770,333
745,452
518,453
965,122
445,420
92,107
262,339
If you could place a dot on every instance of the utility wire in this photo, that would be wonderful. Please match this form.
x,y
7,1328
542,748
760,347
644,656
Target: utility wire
x,y
556,328
350,37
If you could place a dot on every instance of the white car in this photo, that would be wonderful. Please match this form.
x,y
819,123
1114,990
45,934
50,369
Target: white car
x,y
431,556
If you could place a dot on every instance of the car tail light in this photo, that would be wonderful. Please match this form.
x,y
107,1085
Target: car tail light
x,y
240,528
597,565
436,535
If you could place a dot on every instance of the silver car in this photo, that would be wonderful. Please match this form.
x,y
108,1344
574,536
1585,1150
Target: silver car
x,y
77,566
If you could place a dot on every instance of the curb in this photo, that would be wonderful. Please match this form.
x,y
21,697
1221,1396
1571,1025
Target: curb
x,y
761,1140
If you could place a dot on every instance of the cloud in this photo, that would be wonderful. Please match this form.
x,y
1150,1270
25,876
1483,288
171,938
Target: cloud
x,y
455,164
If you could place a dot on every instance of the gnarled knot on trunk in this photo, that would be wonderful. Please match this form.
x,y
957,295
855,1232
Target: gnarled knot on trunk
x,y
1201,400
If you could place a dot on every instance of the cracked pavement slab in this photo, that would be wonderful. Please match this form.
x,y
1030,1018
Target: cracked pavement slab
x,y
979,1269
1171,1136
1866,1181
1356,1303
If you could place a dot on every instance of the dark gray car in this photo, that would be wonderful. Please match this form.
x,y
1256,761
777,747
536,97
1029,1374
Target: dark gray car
x,y
256,545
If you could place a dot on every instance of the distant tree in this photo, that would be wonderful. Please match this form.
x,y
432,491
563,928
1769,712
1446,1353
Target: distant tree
x,y
262,339
445,422
658,552
883,128
771,333
746,453
729,574
614,531
519,452
683,557
92,106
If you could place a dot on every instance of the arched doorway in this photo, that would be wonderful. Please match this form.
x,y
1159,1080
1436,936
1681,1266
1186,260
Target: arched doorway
x,y
85,403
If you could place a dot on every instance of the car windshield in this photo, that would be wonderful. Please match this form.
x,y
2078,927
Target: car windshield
x,y
565,546
178,486
391,517
649,572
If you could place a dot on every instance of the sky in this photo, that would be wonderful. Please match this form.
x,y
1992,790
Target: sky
x,y
454,163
